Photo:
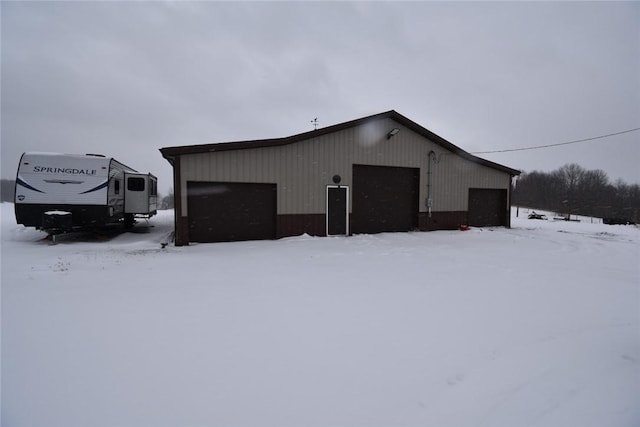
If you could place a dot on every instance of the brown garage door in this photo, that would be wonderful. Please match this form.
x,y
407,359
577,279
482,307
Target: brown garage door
x,y
384,199
225,212
487,207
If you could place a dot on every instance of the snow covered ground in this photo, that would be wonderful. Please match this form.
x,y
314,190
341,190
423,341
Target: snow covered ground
x,y
538,325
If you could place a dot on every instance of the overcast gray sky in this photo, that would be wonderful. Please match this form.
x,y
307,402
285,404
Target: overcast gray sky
x,y
127,78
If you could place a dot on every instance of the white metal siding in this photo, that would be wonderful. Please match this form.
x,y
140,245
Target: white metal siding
x,y
303,169
137,201
62,179
452,176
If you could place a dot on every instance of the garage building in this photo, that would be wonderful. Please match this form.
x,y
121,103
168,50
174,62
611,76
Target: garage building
x,y
380,173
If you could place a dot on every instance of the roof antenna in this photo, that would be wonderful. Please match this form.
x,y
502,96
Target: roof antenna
x,y
315,123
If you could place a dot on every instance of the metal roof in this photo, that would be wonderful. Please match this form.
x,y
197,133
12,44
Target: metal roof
x,y
171,152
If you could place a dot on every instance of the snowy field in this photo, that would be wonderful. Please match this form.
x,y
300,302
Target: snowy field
x,y
538,325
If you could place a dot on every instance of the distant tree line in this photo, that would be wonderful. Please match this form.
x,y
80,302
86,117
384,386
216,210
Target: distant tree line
x,y
166,202
573,190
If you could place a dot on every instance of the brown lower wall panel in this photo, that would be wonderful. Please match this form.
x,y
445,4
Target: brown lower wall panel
x,y
295,225
442,220
315,224
181,236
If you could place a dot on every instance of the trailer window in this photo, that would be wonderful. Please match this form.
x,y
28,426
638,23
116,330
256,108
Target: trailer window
x,y
135,184
116,186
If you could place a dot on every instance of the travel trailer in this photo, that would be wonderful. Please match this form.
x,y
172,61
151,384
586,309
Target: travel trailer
x,y
64,192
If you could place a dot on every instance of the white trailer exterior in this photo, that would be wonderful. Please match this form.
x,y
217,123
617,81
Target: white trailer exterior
x,y
91,188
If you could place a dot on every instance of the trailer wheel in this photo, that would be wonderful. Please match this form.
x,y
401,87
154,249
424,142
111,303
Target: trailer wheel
x,y
129,220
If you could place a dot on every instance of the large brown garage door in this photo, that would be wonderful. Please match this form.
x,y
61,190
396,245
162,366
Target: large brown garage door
x,y
225,212
384,199
487,207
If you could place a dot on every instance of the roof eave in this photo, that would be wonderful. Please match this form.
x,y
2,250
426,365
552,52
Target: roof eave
x,y
169,153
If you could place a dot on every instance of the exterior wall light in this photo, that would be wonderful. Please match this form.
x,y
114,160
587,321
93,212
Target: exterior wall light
x,y
392,132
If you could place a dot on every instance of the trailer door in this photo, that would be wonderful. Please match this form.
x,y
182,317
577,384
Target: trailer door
x,y
136,193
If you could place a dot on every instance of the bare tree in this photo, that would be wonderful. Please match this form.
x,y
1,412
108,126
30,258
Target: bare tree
x,y
571,175
574,190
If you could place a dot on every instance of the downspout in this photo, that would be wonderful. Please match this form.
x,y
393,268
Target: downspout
x,y
430,157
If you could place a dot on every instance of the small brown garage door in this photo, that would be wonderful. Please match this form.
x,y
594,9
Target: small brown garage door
x,y
225,212
487,207
384,199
